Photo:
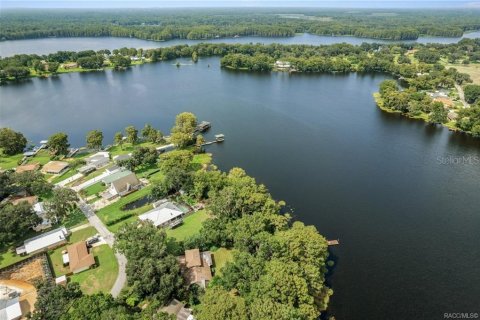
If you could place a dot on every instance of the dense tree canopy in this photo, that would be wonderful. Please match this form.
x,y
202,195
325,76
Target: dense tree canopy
x,y
58,144
182,132
94,139
12,142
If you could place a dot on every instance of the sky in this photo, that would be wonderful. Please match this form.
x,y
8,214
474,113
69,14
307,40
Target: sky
x,y
439,4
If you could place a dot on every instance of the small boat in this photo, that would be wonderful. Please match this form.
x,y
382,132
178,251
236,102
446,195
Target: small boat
x,y
220,137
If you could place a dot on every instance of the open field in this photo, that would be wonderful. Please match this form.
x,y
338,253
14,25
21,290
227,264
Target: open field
x,y
472,69
191,225
9,162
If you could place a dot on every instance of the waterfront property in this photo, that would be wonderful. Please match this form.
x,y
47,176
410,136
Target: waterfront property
x,y
46,241
196,267
120,184
164,214
98,159
55,167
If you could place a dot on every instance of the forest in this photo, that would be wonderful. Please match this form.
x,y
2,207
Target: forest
x,y
166,24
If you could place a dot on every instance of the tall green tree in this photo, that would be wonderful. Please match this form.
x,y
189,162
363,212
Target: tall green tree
x,y
94,139
62,203
219,304
118,139
58,144
12,142
16,221
131,134
53,301
182,132
151,270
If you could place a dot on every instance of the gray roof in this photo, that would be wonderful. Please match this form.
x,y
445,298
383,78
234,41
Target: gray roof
x,y
116,176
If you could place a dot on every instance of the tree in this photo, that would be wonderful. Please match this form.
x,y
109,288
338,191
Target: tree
x,y
151,270
95,307
16,220
32,182
53,301
62,203
438,114
472,92
180,159
219,304
151,134
58,144
118,139
132,134
195,57
199,142
53,67
94,139
388,85
12,142
182,132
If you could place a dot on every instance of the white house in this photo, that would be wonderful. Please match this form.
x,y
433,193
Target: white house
x,y
165,148
48,240
98,159
10,308
165,214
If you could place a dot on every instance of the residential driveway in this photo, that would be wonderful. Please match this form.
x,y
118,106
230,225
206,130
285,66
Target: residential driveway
x,y
63,183
109,239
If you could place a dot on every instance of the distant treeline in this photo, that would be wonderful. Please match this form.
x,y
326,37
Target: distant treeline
x,y
342,57
169,24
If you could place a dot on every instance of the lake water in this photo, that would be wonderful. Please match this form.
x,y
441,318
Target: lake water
x,y
50,45
402,196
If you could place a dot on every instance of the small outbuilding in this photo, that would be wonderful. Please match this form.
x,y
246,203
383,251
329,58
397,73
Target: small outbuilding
x,y
98,160
27,167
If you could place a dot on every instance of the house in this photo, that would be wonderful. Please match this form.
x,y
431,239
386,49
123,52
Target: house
x,y
122,157
120,183
99,159
55,167
48,240
282,64
112,169
164,214
447,102
42,213
452,115
177,309
196,266
79,259
9,304
86,169
27,167
165,148
70,65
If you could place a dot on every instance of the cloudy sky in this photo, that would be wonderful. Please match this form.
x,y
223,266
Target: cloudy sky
x,y
236,3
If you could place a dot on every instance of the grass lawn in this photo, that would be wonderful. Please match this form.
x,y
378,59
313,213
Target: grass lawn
x,y
113,211
191,225
128,148
55,256
101,278
65,175
74,219
94,189
9,162
98,279
221,257
41,157
472,69
9,257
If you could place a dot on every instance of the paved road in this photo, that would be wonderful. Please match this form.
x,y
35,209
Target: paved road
x,y
461,95
109,239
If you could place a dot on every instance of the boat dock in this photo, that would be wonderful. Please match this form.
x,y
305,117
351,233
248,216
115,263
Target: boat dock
x,y
333,242
218,138
203,126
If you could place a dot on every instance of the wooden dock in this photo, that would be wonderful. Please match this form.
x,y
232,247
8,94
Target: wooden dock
x,y
218,138
333,242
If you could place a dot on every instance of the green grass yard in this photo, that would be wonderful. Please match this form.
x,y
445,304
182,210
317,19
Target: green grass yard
x,y
94,189
113,211
67,174
42,157
191,225
98,279
221,257
9,162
